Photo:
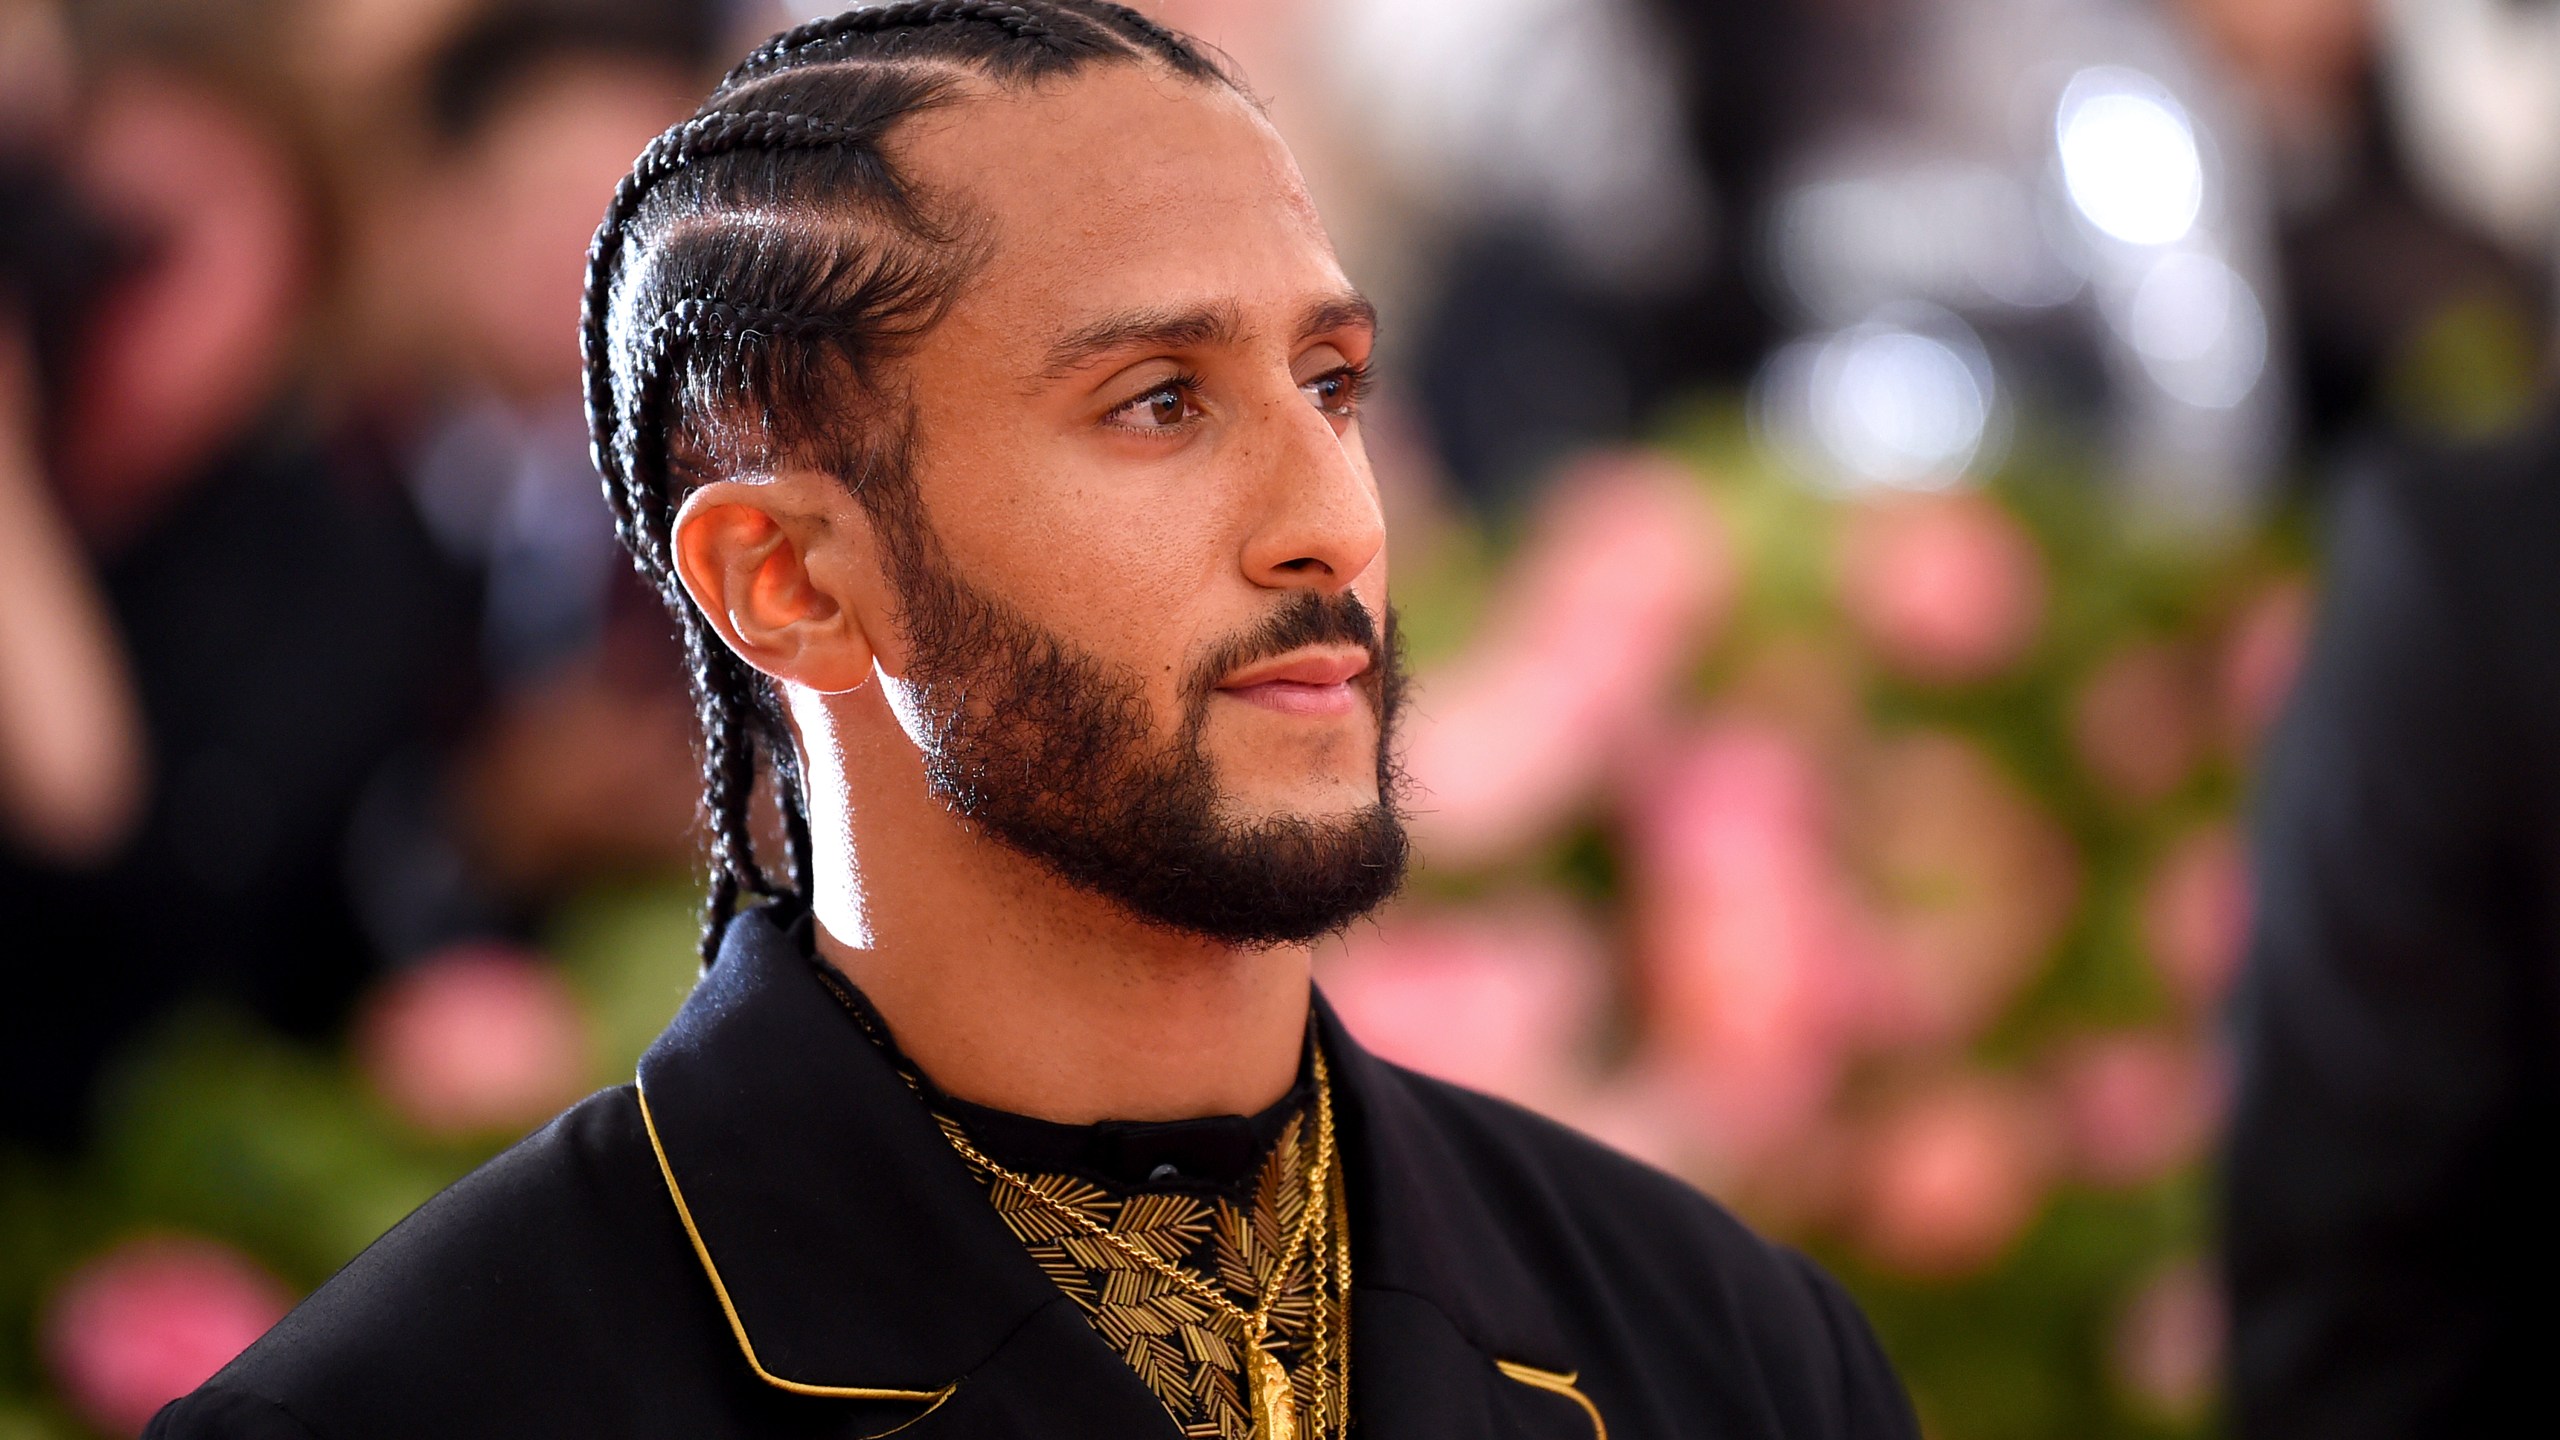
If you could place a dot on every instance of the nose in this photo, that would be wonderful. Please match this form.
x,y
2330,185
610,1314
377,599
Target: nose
x,y
1319,527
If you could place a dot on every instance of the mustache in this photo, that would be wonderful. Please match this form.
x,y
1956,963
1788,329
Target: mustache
x,y
1303,620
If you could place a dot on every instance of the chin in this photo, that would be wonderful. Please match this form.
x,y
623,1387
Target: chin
x,y
1315,803
1336,777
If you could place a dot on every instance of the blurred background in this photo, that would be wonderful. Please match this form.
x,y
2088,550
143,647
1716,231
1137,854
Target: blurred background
x,y
1858,471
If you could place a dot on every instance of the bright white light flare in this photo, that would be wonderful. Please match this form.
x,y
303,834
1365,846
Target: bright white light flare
x,y
2129,156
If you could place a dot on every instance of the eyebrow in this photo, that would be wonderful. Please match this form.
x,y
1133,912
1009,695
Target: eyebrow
x,y
1175,329
1349,310
1187,327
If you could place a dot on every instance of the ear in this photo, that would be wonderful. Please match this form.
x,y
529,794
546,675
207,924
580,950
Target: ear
x,y
759,560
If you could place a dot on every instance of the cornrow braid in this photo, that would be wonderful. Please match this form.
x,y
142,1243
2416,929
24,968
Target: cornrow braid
x,y
754,274
645,508
704,136
1166,44
1016,21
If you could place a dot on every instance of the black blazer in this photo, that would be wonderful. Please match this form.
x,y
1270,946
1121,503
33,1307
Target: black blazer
x,y
2387,1206
768,1236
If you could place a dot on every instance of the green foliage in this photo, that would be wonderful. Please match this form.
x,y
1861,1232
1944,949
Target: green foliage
x,y
627,950
2022,1353
227,1132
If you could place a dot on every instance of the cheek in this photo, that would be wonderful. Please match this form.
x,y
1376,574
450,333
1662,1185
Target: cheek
x,y
1132,564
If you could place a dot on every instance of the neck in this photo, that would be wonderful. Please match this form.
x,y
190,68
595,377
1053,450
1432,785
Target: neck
x,y
1015,990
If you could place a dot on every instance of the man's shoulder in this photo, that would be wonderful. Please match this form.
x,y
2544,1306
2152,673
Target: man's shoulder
x,y
538,1226
1634,1261
526,1275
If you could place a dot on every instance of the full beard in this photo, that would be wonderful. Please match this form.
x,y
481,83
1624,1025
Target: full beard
x,y
1052,751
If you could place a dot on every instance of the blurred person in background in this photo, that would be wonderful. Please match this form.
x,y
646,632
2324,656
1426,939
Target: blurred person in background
x,y
472,243
2390,1255
2412,299
980,391
71,763
280,625
2395,1021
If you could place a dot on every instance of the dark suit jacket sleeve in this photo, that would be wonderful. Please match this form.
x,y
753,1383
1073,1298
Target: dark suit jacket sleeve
x,y
2386,1015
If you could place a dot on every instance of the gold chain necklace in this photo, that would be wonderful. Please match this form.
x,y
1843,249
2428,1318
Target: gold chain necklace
x,y
1275,1412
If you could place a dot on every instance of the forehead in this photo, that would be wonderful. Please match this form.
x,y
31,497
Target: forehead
x,y
1122,187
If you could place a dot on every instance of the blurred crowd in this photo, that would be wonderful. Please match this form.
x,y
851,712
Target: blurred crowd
x,y
319,654
1788,764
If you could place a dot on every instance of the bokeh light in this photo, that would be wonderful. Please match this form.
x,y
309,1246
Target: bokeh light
x,y
2199,329
1907,401
2129,156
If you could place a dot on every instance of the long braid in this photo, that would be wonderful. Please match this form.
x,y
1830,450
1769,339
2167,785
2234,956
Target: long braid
x,y
722,703
786,307
731,701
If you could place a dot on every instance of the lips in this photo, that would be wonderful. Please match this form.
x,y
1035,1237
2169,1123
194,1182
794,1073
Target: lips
x,y
1304,667
1306,682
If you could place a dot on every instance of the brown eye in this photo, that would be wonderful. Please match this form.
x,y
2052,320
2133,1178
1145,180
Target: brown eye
x,y
1337,392
1162,408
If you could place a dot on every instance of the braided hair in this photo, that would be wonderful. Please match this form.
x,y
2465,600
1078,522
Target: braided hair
x,y
756,275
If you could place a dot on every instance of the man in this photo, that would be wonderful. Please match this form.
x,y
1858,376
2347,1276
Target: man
x,y
979,384
2390,1256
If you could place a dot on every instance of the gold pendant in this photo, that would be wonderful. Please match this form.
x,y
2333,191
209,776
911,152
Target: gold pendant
x,y
1275,1409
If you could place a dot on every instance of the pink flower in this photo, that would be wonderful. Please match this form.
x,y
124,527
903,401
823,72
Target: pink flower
x,y
150,1320
1752,943
2135,1106
1951,1178
2136,723
2261,657
1499,999
2195,914
1640,1112
2168,1346
1947,588
1973,885
480,1037
1625,570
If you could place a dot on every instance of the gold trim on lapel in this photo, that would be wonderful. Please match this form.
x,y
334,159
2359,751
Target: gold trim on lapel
x,y
1557,1383
737,1326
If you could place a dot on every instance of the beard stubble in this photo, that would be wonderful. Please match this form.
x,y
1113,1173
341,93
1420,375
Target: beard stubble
x,y
1053,751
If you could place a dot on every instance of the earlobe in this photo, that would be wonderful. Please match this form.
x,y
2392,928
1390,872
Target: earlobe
x,y
746,557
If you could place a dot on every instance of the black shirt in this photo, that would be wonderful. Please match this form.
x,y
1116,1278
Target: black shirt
x,y
1212,1155
768,1235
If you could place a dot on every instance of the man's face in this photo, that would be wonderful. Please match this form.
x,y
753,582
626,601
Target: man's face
x,y
1146,632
